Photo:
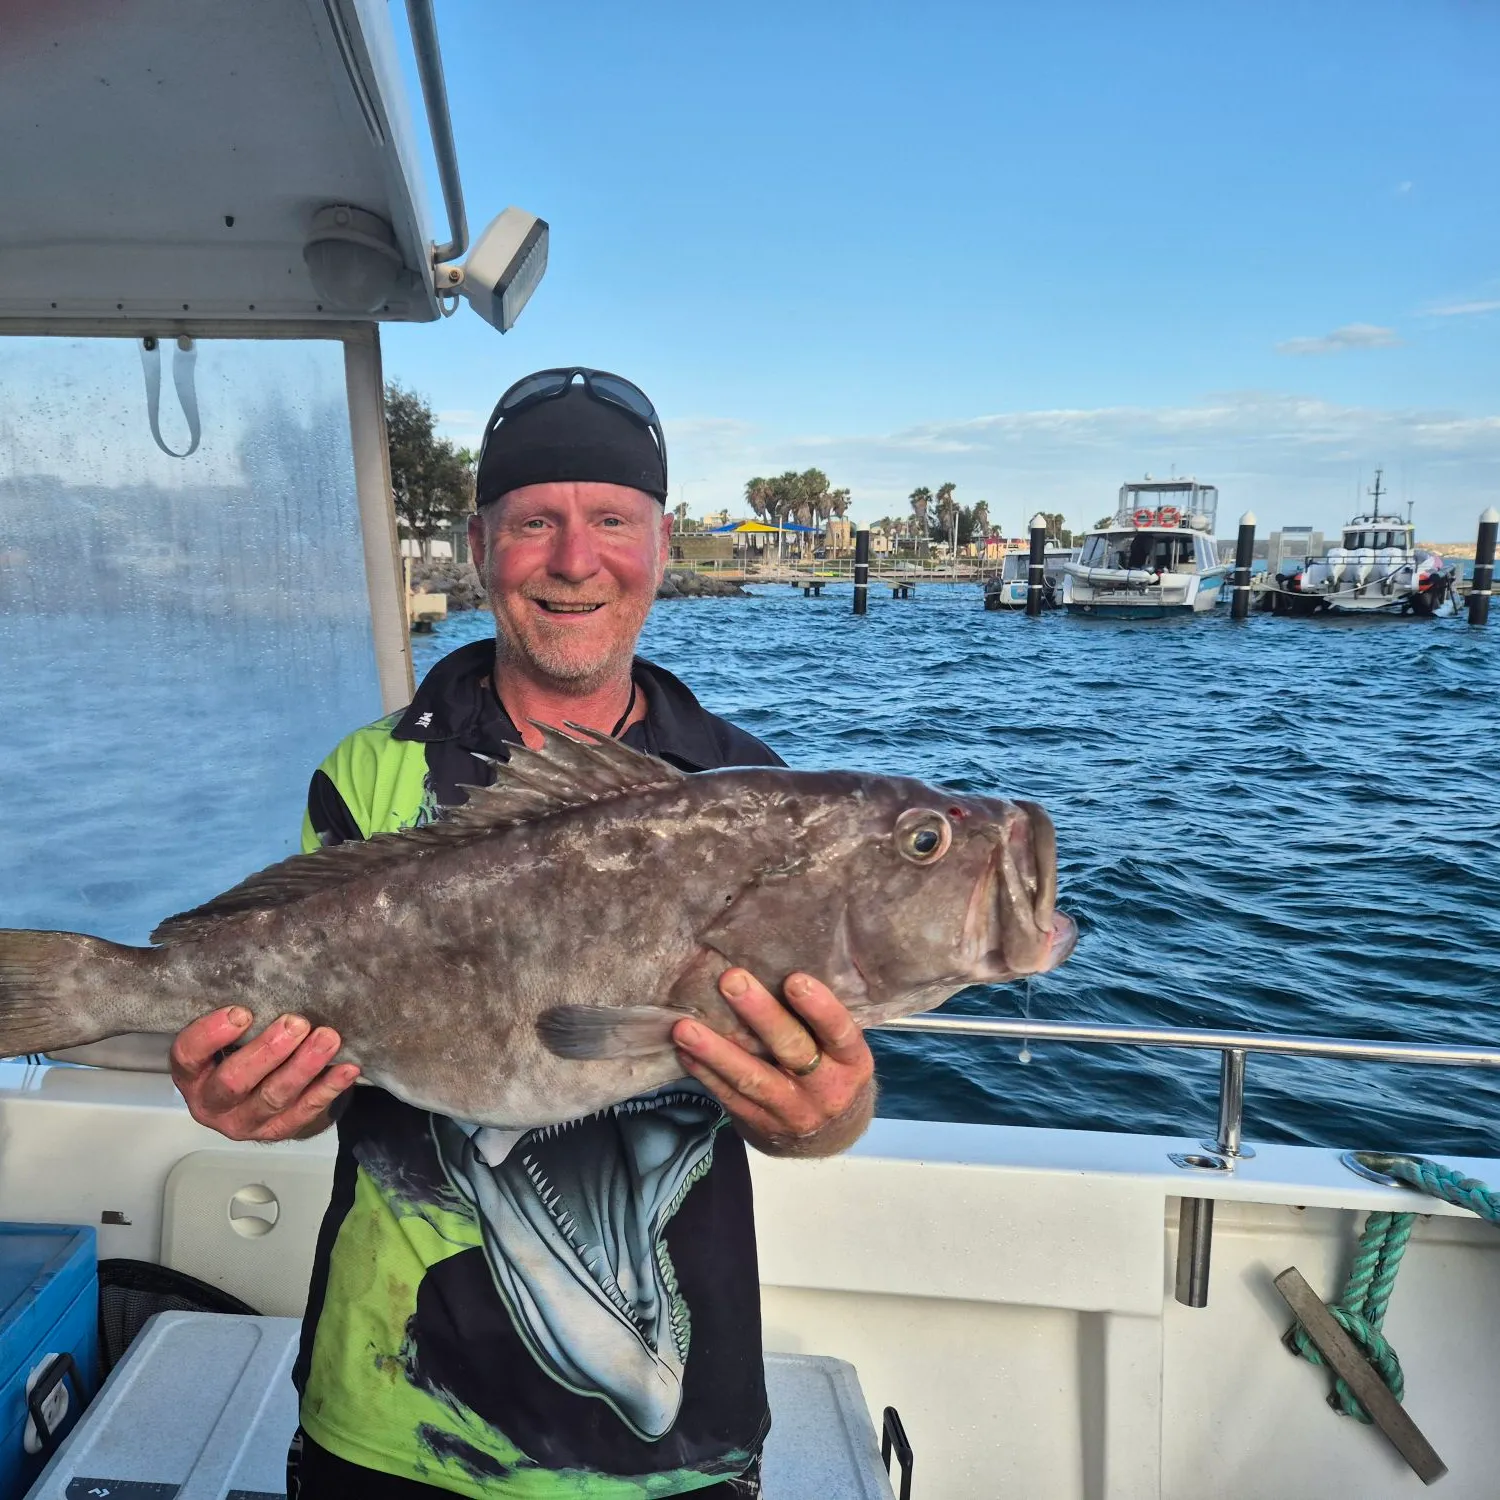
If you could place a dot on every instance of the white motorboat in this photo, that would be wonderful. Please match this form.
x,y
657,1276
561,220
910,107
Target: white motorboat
x,y
1007,590
1156,558
1039,1304
1378,568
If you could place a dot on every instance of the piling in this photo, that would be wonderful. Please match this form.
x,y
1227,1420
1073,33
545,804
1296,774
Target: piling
x,y
1036,573
1244,556
862,570
1484,568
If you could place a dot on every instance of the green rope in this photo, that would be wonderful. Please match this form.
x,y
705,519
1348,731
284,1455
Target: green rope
x,y
1372,1277
1361,1310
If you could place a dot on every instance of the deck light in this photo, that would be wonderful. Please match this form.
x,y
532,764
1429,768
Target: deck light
x,y
503,269
352,258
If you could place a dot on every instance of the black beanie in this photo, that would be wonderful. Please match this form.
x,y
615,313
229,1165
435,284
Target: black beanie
x,y
572,436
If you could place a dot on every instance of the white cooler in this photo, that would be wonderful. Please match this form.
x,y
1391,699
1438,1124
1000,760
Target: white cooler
x,y
202,1408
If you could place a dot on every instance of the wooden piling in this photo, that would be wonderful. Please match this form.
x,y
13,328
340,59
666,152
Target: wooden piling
x,y
1484,568
862,570
1244,557
1036,572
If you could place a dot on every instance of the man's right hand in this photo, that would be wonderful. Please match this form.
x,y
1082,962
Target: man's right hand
x,y
272,1089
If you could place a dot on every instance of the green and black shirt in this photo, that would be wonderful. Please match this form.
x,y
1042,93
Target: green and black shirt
x,y
566,1312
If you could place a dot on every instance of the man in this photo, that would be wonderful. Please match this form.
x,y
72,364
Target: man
x,y
571,1311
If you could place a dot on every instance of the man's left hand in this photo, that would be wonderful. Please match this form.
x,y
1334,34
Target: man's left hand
x,y
816,1092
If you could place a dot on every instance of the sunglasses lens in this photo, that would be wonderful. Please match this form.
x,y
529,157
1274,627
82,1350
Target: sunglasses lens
x,y
623,393
543,383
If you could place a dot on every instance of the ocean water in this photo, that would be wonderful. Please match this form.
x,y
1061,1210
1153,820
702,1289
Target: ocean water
x,y
1285,825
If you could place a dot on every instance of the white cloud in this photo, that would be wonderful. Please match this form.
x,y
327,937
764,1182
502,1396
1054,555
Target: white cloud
x,y
1350,336
1465,309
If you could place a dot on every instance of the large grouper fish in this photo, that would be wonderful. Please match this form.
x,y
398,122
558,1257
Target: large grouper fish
x,y
522,961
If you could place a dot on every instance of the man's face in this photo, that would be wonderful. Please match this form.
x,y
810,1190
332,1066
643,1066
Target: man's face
x,y
571,570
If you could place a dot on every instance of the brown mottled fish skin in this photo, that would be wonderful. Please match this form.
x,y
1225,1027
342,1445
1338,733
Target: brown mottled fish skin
x,y
523,964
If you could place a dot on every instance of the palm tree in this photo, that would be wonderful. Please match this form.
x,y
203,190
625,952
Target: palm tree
x,y
981,520
757,495
680,512
947,510
920,500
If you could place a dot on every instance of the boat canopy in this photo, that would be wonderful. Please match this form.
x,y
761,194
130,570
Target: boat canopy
x,y
171,158
1186,498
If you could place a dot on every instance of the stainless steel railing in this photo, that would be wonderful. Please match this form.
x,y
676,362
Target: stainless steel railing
x,y
1195,1226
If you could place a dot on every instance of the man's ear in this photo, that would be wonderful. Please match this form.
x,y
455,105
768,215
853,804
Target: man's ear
x,y
666,537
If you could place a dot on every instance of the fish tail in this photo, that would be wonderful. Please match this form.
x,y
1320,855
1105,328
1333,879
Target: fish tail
x,y
62,989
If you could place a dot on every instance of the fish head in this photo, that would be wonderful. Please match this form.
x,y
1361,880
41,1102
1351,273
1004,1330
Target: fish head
x,y
951,890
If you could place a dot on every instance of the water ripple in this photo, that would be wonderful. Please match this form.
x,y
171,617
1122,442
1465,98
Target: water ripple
x,y
1290,825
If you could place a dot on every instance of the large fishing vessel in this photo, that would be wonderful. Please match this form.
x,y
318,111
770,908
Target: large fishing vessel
x,y
231,191
1156,557
1377,569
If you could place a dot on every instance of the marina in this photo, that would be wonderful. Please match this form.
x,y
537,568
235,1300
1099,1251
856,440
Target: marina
x,y
1089,1247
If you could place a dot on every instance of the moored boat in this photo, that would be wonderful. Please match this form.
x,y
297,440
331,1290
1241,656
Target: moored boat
x,y
1008,589
1378,569
1156,557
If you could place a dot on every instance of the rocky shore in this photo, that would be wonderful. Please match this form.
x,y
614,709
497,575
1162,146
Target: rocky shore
x,y
461,584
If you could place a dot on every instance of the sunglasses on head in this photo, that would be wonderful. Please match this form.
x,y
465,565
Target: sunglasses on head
x,y
612,390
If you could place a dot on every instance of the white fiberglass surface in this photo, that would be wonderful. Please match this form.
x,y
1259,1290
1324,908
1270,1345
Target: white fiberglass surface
x,y
181,640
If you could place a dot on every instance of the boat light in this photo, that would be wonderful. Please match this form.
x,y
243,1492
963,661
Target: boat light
x,y
502,270
352,258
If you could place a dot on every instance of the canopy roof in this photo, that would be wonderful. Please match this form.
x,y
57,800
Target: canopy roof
x,y
165,158
761,527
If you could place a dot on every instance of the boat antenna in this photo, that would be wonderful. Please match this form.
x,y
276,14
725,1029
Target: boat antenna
x,y
1377,492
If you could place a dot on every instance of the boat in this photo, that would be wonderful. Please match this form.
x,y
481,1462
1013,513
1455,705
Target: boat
x,y
1378,569
1156,558
1037,1312
1007,589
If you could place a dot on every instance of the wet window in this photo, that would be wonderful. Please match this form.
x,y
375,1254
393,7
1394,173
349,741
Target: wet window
x,y
181,640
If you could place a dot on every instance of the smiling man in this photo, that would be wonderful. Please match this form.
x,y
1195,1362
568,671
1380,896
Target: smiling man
x,y
571,1311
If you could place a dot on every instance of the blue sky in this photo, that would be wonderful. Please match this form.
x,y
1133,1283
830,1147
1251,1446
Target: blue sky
x,y
1032,250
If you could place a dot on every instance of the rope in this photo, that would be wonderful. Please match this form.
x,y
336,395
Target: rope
x,y
1372,1277
1360,1312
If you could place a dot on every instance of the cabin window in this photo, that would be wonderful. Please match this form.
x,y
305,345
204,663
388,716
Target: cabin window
x,y
181,640
1094,550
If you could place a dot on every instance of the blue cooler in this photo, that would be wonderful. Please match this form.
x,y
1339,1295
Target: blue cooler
x,y
49,1342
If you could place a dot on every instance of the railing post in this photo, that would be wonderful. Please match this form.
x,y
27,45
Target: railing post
x,y
1228,1143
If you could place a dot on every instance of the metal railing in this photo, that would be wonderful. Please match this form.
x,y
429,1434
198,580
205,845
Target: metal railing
x,y
1196,1221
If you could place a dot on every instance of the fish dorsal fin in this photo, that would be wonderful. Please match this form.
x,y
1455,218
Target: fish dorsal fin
x,y
532,785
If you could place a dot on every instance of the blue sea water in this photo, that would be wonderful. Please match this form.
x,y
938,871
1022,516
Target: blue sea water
x,y
1285,825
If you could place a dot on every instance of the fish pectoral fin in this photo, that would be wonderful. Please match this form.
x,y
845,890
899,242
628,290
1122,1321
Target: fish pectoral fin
x,y
589,1033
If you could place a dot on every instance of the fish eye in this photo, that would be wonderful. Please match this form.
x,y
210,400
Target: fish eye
x,y
923,836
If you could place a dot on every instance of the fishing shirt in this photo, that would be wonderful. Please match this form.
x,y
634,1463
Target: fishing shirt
x,y
571,1311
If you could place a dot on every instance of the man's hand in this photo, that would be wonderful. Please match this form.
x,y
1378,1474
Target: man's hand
x,y
275,1088
816,1093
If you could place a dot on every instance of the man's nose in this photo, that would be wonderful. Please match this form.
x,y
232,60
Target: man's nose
x,y
574,555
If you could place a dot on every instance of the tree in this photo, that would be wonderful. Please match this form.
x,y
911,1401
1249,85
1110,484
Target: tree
x,y
679,512
979,521
432,482
921,503
947,510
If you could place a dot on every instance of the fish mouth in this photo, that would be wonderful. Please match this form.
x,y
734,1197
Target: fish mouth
x,y
1016,900
574,1218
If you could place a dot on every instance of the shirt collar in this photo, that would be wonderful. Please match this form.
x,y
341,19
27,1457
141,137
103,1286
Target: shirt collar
x,y
454,703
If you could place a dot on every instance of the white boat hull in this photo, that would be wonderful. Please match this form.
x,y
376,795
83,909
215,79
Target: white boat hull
x,y
1009,1290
